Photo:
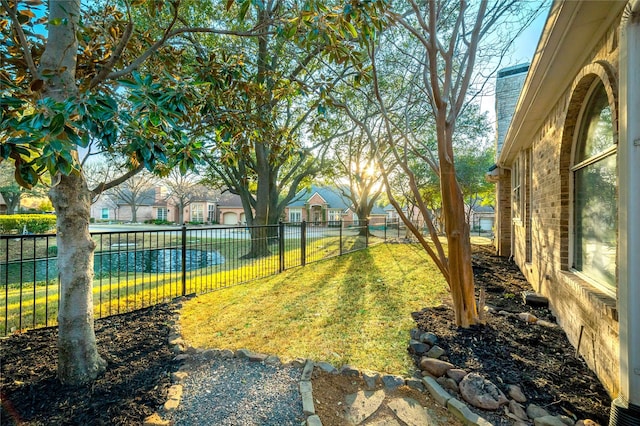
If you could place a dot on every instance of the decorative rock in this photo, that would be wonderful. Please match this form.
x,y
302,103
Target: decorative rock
x,y
516,393
435,367
305,386
535,299
417,347
326,367
462,412
415,384
534,411
226,354
448,383
428,338
243,353
415,334
178,376
361,405
527,317
181,357
273,361
409,411
566,420
547,324
155,420
518,410
457,374
314,420
370,379
210,354
307,371
435,352
587,422
256,357
481,393
548,421
440,395
392,382
173,398
298,362
307,404
348,370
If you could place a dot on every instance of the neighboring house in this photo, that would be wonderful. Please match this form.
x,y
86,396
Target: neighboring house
x,y
481,218
3,206
230,210
155,204
568,183
318,205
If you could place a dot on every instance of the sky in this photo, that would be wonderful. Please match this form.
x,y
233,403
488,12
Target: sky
x,y
522,52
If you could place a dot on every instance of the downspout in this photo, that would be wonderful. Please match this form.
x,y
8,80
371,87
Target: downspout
x,y
625,409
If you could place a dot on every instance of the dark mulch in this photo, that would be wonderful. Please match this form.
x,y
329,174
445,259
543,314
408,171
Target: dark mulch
x,y
133,387
509,351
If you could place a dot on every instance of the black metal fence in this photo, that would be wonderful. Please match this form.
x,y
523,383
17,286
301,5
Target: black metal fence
x,y
138,268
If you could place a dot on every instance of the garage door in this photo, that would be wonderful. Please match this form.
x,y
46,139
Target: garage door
x,y
486,224
230,218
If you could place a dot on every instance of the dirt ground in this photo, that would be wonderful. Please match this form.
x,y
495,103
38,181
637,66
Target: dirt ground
x,y
505,350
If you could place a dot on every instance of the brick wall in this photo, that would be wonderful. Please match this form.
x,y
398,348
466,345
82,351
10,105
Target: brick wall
x,y
587,314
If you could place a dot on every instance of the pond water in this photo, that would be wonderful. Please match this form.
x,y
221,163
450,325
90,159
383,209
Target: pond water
x,y
145,261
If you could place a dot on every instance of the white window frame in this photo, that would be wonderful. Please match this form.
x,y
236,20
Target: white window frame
x,y
295,215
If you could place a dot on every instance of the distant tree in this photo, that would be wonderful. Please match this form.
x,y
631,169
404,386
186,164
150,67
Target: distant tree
x,y
136,191
183,190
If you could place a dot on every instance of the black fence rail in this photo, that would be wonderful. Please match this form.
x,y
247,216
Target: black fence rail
x,y
140,268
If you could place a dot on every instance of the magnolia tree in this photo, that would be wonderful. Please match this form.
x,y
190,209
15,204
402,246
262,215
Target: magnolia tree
x,y
77,75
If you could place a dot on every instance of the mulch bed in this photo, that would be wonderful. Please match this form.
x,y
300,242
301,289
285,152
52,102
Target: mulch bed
x,y
509,351
133,387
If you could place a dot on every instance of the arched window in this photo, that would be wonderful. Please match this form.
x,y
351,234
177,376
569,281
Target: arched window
x,y
595,196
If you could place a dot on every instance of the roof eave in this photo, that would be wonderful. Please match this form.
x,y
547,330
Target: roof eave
x,y
570,34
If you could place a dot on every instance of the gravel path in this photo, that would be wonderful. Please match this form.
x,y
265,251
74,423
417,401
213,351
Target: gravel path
x,y
240,392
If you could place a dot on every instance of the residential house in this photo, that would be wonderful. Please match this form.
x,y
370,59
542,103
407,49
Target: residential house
x,y
230,210
3,205
155,204
568,185
317,205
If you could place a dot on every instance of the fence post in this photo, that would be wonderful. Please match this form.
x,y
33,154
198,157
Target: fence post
x,y
366,235
184,260
281,245
385,228
303,243
340,238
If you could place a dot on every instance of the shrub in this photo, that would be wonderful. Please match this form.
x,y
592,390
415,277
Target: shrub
x,y
32,223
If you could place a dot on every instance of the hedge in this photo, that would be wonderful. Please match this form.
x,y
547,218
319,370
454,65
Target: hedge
x,y
34,223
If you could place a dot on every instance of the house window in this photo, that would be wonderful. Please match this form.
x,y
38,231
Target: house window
x,y
516,196
104,213
197,213
595,197
211,213
161,213
335,215
295,215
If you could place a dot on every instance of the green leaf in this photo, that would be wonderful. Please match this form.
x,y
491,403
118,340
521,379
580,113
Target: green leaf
x,y
57,124
351,29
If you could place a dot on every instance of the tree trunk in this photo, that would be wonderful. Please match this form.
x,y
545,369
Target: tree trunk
x,y
459,245
78,359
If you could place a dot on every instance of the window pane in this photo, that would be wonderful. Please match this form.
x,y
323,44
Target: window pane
x,y
596,220
596,130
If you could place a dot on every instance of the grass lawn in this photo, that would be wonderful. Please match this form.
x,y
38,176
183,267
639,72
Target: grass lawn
x,y
354,309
